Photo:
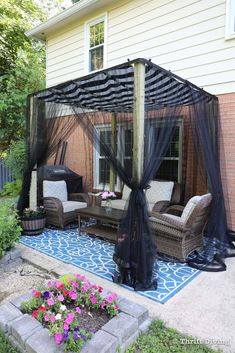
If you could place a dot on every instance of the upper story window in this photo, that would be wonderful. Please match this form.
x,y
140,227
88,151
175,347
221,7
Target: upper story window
x,y
96,44
230,19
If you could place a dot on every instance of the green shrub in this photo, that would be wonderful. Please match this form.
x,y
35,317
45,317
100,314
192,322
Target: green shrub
x,y
16,158
12,188
10,229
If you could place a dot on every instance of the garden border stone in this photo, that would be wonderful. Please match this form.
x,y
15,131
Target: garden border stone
x,y
28,335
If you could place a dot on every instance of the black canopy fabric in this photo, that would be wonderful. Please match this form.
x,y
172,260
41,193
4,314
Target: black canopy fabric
x,y
112,90
91,102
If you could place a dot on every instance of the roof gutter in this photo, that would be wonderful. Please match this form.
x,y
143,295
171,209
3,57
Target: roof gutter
x,y
78,10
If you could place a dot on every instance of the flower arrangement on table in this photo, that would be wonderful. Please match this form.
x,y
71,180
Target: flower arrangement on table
x,y
62,305
108,196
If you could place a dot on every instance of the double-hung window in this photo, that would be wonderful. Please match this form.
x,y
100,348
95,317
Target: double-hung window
x,y
102,166
96,44
170,168
230,19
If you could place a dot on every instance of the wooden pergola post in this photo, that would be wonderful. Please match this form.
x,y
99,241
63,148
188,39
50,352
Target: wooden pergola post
x,y
113,144
33,185
138,120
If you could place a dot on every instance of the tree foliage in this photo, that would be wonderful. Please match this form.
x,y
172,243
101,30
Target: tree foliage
x,y
22,66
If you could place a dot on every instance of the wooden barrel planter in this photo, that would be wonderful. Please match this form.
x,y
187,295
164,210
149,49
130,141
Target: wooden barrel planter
x,y
33,225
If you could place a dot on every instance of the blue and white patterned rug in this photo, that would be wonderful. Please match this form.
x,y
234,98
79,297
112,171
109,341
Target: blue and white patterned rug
x,y
95,255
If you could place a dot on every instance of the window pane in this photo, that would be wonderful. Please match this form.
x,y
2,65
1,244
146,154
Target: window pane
x,y
104,171
128,143
128,166
168,170
105,138
96,58
97,34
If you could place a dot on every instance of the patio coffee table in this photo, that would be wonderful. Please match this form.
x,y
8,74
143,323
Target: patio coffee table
x,y
111,220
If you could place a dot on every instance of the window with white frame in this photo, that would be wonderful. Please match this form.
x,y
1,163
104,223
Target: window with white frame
x,y
170,168
230,19
95,44
102,166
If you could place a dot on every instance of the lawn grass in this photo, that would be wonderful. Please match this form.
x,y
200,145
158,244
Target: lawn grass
x,y
5,346
160,339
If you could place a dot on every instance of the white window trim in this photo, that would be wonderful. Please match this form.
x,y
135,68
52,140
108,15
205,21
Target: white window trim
x,y
88,24
230,20
96,156
180,158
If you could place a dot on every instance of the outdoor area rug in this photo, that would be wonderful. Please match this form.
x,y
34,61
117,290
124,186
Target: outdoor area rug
x,y
95,255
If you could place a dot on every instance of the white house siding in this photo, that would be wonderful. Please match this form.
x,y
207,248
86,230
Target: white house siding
x,y
184,36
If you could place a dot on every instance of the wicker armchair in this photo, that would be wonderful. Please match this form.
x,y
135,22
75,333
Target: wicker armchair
x,y
178,236
62,208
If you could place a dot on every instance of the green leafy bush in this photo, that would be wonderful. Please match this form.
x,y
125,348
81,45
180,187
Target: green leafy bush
x,y
10,229
12,188
15,159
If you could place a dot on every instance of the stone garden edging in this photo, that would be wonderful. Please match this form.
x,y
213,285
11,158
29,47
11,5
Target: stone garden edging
x,y
28,335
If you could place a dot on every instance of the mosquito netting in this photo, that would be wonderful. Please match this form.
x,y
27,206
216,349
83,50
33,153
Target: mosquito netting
x,y
162,127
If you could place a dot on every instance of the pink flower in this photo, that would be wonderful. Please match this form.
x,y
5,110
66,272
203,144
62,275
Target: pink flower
x,y
92,294
109,299
103,305
77,275
74,284
49,284
86,287
53,319
71,316
60,298
50,301
116,307
66,326
34,291
93,300
78,310
83,278
46,317
58,337
73,295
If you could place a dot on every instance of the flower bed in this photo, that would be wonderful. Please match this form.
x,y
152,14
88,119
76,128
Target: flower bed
x,y
72,309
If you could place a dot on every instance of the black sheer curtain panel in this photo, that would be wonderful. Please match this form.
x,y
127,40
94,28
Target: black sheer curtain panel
x,y
144,112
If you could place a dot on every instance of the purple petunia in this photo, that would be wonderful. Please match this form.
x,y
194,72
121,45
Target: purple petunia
x,y
45,295
75,336
65,336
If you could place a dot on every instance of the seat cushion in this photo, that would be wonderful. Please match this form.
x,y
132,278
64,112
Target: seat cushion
x,y
126,193
159,191
56,189
69,206
190,207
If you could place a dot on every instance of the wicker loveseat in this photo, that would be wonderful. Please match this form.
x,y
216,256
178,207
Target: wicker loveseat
x,y
178,236
160,196
62,208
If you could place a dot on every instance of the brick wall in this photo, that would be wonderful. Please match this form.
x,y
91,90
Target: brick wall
x,y
227,153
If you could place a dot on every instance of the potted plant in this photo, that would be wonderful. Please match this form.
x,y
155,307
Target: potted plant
x,y
33,220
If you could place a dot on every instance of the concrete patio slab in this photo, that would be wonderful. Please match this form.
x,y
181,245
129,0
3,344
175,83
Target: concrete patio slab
x,y
204,308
